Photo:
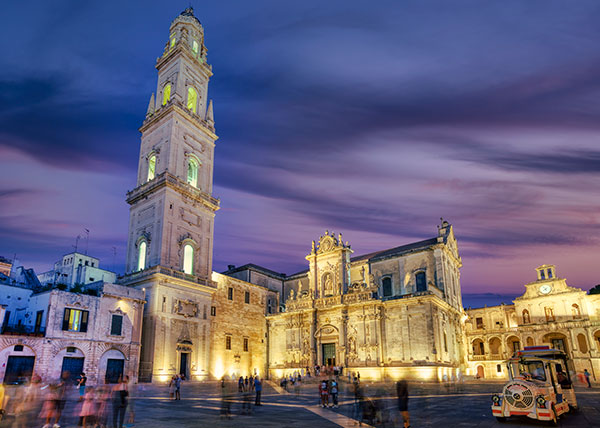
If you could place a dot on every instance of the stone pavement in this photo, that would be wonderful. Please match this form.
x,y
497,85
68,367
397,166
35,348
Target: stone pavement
x,y
429,404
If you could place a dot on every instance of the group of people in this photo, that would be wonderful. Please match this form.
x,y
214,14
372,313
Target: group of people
x,y
44,403
175,387
247,386
371,410
329,389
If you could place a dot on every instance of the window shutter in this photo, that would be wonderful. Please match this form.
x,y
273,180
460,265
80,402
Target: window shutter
x,y
65,325
117,325
84,321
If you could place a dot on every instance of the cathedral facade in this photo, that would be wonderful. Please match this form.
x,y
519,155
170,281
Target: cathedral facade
x,y
389,314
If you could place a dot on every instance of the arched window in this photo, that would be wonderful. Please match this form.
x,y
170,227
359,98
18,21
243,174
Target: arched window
x,y
142,255
421,281
172,41
582,343
151,167
192,99
166,94
526,317
188,259
386,284
575,311
530,341
195,47
192,172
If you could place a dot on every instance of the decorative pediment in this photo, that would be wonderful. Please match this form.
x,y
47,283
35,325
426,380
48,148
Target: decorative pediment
x,y
329,242
327,330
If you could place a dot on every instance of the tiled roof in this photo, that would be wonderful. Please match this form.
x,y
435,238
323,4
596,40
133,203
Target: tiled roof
x,y
396,251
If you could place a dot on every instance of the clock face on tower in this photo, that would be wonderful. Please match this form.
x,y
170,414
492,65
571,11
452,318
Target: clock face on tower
x,y
545,289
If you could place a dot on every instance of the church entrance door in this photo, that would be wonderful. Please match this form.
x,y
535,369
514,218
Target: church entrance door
x,y
328,354
183,365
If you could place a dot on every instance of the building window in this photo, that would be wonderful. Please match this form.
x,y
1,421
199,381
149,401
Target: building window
x,y
516,345
151,167
582,343
192,99
166,94
164,303
245,344
542,275
558,344
549,314
269,309
213,311
195,47
75,320
172,41
228,342
526,317
247,297
420,279
549,273
71,349
192,172
499,368
188,259
445,343
116,325
18,348
479,322
38,321
230,293
142,255
575,311
204,313
386,284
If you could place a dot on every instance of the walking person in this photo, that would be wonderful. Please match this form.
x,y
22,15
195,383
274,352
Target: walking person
x,y
402,392
119,402
241,384
324,393
172,388
178,387
89,409
587,377
258,389
333,388
81,381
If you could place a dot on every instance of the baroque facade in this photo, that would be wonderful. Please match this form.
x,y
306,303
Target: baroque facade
x,y
386,314
549,313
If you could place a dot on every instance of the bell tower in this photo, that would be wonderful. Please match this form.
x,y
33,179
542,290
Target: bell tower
x,y
170,242
172,208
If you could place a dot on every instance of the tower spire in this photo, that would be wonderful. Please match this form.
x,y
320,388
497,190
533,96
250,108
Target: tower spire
x,y
210,118
151,105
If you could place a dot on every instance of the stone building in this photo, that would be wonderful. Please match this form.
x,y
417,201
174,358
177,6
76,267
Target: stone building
x,y
549,313
386,314
49,331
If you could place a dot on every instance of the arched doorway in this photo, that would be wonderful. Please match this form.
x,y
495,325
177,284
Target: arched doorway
x,y
559,341
112,366
495,348
17,363
69,362
480,372
478,348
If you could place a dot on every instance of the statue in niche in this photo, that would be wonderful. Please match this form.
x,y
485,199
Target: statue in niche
x,y
328,284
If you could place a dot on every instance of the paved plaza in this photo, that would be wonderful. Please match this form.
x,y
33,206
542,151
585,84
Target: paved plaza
x,y
430,405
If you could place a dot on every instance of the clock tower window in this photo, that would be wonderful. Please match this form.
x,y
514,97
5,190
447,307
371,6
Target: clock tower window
x,y
188,259
192,100
166,94
151,167
192,172
142,247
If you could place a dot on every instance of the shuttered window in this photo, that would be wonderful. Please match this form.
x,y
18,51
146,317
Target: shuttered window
x,y
75,320
116,325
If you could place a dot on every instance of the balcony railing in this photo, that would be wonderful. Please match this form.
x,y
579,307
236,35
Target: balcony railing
x,y
23,330
170,272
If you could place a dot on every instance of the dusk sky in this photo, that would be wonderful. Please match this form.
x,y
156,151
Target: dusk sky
x,y
370,118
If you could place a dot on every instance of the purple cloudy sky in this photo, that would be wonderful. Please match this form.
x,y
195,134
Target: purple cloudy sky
x,y
373,119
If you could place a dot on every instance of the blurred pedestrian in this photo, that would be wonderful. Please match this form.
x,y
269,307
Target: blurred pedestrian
x,y
178,387
241,384
2,400
88,409
587,377
119,402
324,393
225,403
172,388
402,392
258,389
333,389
